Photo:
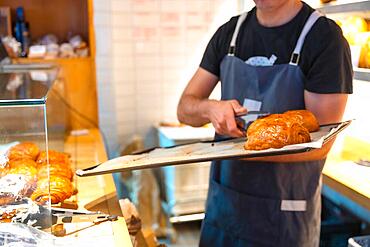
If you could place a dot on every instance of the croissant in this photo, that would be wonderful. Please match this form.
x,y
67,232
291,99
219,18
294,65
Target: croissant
x,y
55,170
27,168
24,150
54,158
60,189
22,162
275,131
304,117
29,171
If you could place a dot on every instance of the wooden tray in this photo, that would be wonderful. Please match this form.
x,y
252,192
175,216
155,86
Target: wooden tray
x,y
207,151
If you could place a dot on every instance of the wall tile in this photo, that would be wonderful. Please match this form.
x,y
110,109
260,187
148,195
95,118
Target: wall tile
x,y
147,50
121,5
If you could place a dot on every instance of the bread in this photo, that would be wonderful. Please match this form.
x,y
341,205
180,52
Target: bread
x,y
23,167
55,170
275,131
22,162
60,189
13,188
59,165
305,118
27,161
55,157
24,150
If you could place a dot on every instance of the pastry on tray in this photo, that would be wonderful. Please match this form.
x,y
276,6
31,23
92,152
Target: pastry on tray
x,y
279,130
306,118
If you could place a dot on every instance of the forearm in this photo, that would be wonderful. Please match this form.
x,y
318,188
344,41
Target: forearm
x,y
193,111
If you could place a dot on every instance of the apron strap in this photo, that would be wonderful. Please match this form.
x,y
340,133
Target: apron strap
x,y
294,59
235,34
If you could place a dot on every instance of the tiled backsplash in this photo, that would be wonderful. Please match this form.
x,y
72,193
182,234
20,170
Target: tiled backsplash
x,y
146,51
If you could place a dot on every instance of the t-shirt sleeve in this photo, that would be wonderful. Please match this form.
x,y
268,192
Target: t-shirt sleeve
x,y
217,47
331,66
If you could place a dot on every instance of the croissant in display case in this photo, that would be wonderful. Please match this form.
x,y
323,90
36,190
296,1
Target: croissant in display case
x,y
279,130
24,150
31,166
55,170
55,157
60,189
24,167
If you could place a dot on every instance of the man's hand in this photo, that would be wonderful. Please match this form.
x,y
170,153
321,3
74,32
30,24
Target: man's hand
x,y
196,109
222,116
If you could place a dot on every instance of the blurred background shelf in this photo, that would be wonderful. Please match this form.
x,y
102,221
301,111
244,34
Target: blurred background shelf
x,y
65,18
342,7
361,74
53,60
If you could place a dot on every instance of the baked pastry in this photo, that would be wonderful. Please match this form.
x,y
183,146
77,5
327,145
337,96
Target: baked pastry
x,y
60,189
13,188
26,168
306,118
24,150
275,131
55,170
54,158
59,165
30,172
22,162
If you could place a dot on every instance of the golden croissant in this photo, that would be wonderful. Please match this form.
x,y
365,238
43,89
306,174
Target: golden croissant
x,y
55,170
279,130
304,117
60,189
24,150
55,157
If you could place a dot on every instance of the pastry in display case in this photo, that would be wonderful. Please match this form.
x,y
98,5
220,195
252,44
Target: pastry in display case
x,y
35,173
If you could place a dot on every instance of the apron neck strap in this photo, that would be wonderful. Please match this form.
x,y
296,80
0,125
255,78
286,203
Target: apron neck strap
x,y
235,34
294,59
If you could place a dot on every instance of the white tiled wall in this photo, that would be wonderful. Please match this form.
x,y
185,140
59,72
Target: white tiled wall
x,y
146,51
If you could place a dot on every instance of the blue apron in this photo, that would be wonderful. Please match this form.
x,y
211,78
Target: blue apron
x,y
263,203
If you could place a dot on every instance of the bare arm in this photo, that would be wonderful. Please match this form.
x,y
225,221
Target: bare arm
x,y
328,108
196,109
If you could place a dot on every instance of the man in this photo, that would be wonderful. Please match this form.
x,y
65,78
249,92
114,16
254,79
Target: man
x,y
282,55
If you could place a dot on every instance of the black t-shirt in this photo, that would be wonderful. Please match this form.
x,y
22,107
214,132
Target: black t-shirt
x,y
325,57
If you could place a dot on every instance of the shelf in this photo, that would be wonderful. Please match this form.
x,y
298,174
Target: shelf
x,y
53,60
345,7
361,74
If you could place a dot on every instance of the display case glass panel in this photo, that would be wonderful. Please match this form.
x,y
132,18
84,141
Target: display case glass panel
x,y
33,173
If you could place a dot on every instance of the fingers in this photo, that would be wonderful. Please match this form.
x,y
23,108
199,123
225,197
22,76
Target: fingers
x,y
226,124
233,129
222,115
238,109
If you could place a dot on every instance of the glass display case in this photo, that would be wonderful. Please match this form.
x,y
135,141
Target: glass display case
x,y
34,171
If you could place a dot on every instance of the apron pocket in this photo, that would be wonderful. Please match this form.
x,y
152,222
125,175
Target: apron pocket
x,y
254,219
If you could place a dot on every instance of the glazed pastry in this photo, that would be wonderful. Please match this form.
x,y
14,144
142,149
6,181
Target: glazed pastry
x,y
24,150
55,170
13,188
275,131
54,158
30,172
306,118
60,189
26,168
22,162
